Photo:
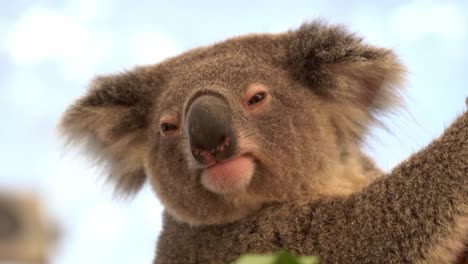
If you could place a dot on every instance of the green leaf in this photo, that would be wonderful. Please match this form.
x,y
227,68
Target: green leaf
x,y
256,259
282,257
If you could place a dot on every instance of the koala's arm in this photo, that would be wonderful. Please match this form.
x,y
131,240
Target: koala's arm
x,y
417,214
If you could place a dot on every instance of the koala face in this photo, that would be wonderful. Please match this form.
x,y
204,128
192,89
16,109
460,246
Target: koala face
x,y
220,131
226,140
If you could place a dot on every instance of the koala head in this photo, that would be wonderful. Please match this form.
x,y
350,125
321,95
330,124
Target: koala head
x,y
220,131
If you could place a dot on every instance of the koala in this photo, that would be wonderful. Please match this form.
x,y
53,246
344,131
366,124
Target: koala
x,y
253,145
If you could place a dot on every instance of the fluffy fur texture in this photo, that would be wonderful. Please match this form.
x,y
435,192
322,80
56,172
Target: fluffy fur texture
x,y
416,214
313,191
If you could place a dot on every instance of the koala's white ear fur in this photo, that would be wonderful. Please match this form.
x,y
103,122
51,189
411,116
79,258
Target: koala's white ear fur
x,y
110,123
372,84
358,82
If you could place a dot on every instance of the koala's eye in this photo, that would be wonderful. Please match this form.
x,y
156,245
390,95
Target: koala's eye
x,y
256,98
166,128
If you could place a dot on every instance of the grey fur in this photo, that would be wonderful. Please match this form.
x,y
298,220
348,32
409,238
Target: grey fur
x,y
313,191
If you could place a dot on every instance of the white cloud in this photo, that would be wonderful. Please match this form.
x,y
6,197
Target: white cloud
x,y
152,210
89,10
152,47
104,222
27,91
370,26
43,35
415,20
70,38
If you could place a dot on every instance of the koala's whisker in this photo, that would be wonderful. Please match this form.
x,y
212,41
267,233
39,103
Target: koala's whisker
x,y
246,136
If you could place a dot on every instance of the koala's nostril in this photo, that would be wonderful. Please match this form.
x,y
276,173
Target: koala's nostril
x,y
209,129
203,156
223,143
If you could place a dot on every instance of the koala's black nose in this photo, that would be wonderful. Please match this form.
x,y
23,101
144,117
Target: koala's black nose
x,y
209,129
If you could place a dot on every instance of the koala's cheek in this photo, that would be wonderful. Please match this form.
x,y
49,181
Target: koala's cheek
x,y
166,174
229,176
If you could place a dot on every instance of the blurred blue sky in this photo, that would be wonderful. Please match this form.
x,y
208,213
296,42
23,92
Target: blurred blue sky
x,y
49,50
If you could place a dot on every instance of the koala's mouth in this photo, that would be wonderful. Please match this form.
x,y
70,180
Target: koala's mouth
x,y
230,175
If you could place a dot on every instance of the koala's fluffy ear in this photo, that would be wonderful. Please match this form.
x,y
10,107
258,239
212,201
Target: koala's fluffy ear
x,y
110,122
338,65
356,81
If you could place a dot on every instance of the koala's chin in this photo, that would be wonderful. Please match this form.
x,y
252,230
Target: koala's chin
x,y
222,196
